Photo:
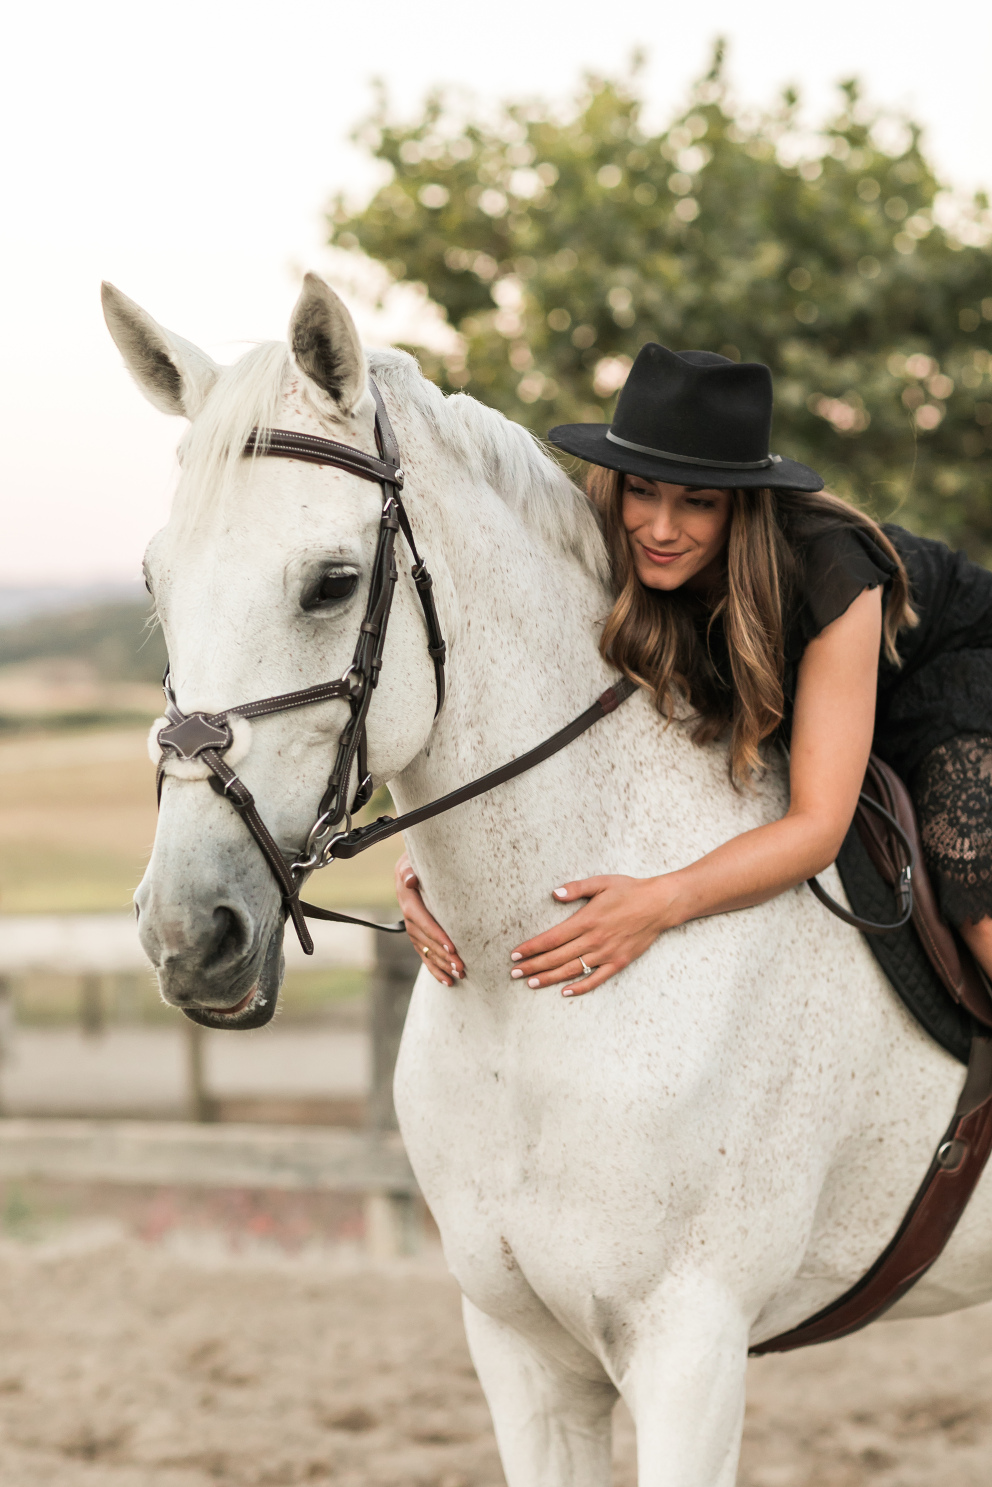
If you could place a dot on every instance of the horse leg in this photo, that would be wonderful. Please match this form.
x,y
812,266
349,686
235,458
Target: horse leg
x,y
684,1386
553,1427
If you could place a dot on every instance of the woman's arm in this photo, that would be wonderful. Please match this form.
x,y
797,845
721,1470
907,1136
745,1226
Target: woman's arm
x,y
831,739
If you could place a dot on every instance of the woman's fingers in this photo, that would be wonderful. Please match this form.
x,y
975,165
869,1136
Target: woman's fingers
x,y
427,937
581,888
550,941
562,956
560,934
573,974
589,983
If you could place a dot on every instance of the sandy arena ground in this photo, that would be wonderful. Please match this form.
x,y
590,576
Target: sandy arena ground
x,y
241,1342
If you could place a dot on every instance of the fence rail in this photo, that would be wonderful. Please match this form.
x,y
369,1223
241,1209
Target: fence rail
x,y
177,1153
370,1162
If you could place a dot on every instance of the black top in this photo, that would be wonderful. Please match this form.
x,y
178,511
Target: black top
x,y
944,686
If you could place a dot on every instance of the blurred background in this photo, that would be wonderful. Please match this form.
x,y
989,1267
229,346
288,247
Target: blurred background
x,y
522,196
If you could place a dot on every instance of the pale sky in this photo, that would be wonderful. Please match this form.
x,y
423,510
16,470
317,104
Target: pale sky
x,y
186,152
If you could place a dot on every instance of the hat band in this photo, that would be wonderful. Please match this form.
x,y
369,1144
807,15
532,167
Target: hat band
x,y
688,459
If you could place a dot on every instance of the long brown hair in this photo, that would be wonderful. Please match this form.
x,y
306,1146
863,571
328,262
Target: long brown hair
x,y
661,639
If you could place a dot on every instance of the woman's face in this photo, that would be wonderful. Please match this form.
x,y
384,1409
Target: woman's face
x,y
678,533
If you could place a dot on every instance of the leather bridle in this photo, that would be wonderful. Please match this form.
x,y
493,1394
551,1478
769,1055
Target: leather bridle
x,y
207,737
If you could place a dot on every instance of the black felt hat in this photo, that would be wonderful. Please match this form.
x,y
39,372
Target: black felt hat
x,y
690,418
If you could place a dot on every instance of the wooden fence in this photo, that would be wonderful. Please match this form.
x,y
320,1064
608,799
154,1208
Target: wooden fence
x,y
201,1153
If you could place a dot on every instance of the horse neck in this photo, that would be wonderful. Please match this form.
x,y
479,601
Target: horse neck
x,y
522,625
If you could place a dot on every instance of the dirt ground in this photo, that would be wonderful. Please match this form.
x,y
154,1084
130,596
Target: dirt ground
x,y
233,1340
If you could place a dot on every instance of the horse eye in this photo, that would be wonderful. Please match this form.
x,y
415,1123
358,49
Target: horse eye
x,y
336,586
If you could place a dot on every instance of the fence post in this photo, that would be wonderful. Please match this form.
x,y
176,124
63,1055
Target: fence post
x,y
91,1010
6,1029
199,1105
391,1219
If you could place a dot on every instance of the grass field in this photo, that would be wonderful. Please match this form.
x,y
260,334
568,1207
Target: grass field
x,y
77,820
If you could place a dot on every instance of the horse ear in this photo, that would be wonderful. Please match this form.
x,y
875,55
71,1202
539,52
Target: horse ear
x,y
326,344
173,374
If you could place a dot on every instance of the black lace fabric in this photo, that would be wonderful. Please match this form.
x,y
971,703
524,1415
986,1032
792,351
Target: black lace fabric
x,y
952,792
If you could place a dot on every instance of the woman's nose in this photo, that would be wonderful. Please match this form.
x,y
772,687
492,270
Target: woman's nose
x,y
664,527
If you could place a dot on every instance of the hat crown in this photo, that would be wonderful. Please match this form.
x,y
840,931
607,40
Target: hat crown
x,y
695,405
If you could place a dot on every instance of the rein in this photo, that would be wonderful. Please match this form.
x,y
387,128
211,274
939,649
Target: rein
x,y
208,736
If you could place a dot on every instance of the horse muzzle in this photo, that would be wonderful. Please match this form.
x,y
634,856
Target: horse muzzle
x,y
216,962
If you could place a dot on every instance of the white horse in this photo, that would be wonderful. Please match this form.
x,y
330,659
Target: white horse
x,y
631,1186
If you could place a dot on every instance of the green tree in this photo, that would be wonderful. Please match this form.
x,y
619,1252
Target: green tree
x,y
557,244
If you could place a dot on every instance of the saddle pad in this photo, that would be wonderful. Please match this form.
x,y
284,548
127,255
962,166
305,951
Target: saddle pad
x,y
901,955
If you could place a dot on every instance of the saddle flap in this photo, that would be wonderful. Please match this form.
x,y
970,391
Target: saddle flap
x,y
949,956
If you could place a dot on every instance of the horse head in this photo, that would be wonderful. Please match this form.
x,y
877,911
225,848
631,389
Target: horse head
x,y
260,579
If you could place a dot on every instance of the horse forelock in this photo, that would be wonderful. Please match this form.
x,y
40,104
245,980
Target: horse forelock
x,y
496,452
246,395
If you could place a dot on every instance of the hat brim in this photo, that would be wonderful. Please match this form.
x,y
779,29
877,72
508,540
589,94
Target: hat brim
x,y
589,442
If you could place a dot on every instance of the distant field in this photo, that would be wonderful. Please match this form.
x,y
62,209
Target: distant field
x,y
77,819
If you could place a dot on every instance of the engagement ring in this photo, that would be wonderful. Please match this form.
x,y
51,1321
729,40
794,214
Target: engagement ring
x,y
586,970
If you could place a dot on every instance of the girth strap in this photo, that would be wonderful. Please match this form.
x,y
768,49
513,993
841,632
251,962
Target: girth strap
x,y
924,1232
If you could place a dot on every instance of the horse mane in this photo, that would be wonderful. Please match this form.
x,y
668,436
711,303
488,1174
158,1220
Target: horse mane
x,y
502,454
506,457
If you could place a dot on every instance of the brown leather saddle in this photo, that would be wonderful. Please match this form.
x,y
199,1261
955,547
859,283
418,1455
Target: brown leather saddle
x,y
886,826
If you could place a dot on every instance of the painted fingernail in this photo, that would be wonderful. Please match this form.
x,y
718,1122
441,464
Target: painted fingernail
x,y
568,991
561,893
516,975
447,948
454,969
515,955
532,982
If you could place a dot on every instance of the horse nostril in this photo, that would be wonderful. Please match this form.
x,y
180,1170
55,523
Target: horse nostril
x,y
229,937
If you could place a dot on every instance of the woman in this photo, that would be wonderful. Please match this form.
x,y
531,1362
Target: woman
x,y
779,613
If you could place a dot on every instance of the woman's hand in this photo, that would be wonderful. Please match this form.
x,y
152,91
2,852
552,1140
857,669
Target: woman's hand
x,y
623,917
426,935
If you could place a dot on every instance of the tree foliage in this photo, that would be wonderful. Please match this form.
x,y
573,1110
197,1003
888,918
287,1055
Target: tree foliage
x,y
558,243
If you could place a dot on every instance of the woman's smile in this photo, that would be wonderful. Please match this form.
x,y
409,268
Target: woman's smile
x,y
661,558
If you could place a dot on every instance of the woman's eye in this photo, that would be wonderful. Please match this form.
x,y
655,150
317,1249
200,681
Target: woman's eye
x,y
336,586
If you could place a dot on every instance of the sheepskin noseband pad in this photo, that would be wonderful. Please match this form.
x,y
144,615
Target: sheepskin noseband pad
x,y
185,741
